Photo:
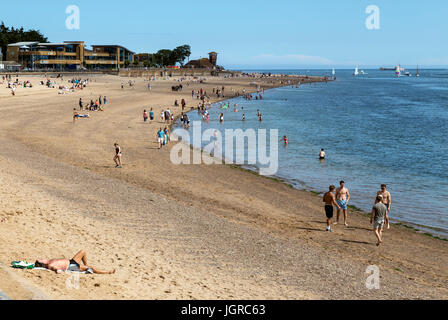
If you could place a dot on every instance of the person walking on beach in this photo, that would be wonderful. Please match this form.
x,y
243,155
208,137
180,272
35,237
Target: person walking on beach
x,y
387,201
118,156
160,137
151,115
342,197
330,201
145,116
377,218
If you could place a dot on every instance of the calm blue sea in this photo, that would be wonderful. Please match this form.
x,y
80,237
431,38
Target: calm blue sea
x,y
375,128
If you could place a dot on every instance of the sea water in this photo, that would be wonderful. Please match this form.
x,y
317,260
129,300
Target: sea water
x,y
375,128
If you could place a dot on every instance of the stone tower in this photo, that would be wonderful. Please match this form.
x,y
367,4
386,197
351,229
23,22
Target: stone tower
x,y
213,57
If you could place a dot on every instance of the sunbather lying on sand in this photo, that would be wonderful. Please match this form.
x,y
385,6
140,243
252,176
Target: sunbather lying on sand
x,y
73,265
77,115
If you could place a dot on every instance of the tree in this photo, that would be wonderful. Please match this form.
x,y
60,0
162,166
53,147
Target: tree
x,y
13,35
164,58
181,53
127,63
167,57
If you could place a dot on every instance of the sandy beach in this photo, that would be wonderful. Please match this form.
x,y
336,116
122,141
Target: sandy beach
x,y
175,232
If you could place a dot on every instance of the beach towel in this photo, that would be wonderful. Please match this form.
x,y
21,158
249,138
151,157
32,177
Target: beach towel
x,y
22,265
28,266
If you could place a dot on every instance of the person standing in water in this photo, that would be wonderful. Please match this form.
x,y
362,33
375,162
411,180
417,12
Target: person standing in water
x,y
118,155
342,197
243,118
387,201
330,201
322,154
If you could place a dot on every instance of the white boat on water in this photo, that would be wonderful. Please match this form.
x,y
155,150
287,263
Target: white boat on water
x,y
356,73
333,72
417,74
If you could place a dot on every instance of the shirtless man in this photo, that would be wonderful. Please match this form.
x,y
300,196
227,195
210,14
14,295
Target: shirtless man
x,y
387,201
74,265
322,155
342,197
330,200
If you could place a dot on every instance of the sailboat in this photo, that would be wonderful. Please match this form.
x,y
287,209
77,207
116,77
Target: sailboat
x,y
333,72
356,73
417,74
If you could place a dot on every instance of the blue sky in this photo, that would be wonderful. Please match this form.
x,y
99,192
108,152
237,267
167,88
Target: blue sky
x,y
255,34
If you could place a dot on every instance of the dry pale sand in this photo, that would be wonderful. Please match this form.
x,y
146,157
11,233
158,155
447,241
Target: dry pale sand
x,y
175,232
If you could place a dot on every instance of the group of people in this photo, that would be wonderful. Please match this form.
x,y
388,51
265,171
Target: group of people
x,y
185,120
96,105
167,116
148,115
14,85
163,137
340,199
78,83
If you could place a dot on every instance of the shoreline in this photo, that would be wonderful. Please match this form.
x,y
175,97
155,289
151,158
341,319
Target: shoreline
x,y
177,232
433,232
